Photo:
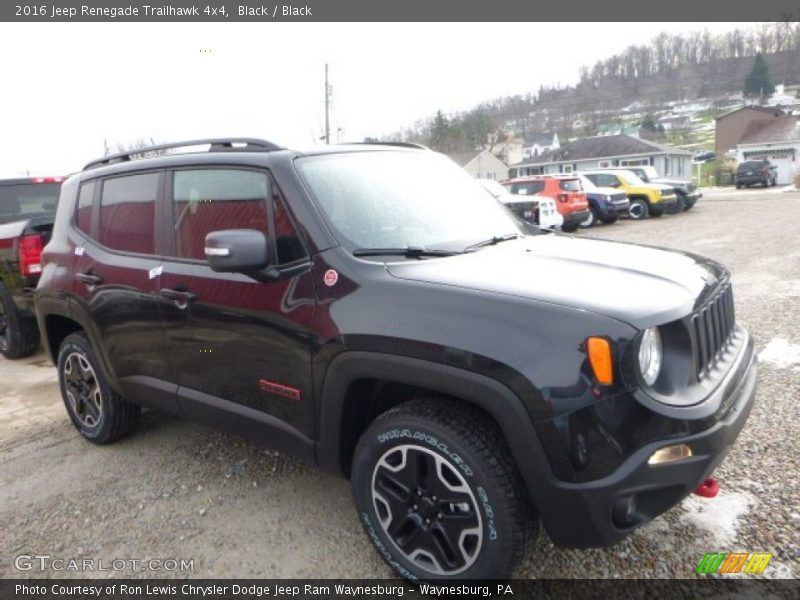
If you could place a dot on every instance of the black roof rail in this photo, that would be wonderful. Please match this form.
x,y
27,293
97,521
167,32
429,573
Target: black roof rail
x,y
400,144
215,145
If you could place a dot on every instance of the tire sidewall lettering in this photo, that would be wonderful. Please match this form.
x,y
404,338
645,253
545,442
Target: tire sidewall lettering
x,y
431,440
383,550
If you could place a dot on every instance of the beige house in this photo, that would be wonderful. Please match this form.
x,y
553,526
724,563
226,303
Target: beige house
x,y
481,165
732,126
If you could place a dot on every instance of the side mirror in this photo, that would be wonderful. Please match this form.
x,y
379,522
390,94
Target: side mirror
x,y
237,250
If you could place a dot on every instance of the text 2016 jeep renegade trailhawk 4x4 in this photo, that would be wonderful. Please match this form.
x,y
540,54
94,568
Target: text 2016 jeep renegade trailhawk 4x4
x,y
371,309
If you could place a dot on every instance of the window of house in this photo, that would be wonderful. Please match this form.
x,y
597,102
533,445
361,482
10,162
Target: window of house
x,y
605,164
83,212
634,162
567,169
667,166
127,213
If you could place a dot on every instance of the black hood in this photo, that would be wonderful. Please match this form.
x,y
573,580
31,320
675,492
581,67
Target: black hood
x,y
640,285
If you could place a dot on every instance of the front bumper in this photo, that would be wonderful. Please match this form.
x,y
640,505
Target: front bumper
x,y
670,204
588,514
619,207
691,198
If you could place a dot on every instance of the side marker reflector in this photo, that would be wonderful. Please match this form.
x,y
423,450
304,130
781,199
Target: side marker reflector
x,y
600,359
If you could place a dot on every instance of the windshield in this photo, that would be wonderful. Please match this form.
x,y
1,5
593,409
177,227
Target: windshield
x,y
588,184
402,199
27,200
570,185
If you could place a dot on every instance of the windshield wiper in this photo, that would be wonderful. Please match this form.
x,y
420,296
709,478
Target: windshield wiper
x,y
408,251
492,241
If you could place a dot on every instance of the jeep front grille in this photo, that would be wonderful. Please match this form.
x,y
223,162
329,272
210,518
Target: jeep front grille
x,y
713,328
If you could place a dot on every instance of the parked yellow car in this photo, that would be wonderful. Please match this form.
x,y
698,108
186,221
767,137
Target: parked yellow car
x,y
647,199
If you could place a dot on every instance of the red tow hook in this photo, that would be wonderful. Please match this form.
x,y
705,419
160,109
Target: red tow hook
x,y
708,489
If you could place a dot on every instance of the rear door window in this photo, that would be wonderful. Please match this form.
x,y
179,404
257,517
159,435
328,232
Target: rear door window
x,y
127,213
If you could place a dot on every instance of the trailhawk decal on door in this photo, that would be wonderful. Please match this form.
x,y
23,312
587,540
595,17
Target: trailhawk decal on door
x,y
283,391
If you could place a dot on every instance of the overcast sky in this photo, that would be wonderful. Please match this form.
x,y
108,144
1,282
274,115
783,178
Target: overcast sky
x,y
67,87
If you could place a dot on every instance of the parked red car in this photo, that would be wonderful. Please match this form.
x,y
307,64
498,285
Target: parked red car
x,y
566,190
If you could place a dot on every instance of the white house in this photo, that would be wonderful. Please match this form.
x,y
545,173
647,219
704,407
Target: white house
x,y
538,143
777,140
605,152
481,165
675,122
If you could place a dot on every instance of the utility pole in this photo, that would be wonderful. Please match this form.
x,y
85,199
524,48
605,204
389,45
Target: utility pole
x,y
327,107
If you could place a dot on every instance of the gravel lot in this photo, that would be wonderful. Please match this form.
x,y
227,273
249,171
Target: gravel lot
x,y
179,490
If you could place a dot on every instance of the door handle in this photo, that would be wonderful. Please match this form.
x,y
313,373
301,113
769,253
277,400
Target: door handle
x,y
89,278
180,296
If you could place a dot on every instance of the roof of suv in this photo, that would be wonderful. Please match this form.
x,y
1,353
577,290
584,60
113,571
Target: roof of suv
x,y
238,146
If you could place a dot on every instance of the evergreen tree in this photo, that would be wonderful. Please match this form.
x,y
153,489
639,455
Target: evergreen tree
x,y
758,83
648,123
440,131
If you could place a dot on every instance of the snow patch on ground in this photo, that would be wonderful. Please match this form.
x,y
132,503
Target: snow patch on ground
x,y
779,570
781,353
718,517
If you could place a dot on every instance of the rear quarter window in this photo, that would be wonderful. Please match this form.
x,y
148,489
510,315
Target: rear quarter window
x,y
83,211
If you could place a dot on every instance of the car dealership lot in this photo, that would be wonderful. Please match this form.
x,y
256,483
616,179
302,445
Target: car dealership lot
x,y
181,491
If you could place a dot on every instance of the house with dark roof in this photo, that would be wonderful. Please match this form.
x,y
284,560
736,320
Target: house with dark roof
x,y
481,165
537,143
606,152
777,140
731,126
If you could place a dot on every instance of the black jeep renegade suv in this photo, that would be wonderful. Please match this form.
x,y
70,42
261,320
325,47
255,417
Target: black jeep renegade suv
x,y
372,309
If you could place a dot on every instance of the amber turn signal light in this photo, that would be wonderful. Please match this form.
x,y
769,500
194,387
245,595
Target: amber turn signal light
x,y
600,359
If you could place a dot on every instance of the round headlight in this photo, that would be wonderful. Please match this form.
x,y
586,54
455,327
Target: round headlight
x,y
650,354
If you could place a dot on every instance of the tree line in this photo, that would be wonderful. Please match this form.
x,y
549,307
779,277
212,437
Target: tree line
x,y
669,67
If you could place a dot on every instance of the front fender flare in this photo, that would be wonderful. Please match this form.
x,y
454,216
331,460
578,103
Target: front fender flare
x,y
492,396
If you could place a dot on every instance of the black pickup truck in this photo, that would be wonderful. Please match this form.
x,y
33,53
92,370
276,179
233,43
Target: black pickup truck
x,y
27,211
